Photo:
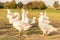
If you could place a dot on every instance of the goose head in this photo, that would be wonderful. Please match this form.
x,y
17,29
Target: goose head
x,y
40,14
8,10
23,10
9,14
16,15
26,13
34,18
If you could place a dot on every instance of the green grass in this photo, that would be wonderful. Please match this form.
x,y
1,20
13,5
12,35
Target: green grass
x,y
52,13
9,33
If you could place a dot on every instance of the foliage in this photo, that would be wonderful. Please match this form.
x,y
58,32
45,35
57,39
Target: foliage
x,y
30,5
42,5
56,4
36,5
11,4
1,5
20,4
6,5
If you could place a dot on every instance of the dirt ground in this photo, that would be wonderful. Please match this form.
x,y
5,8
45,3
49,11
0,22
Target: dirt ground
x,y
13,34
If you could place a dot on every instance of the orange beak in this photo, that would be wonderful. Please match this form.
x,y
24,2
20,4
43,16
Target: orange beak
x,y
14,17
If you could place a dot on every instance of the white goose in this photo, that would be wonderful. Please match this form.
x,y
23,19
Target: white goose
x,y
33,20
17,15
45,27
18,24
23,15
26,18
16,21
46,18
46,15
40,19
9,16
26,25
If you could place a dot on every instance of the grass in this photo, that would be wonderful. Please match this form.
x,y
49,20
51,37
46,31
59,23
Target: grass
x,y
9,33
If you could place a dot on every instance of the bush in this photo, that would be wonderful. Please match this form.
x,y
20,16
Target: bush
x,y
35,5
1,5
56,4
11,4
20,4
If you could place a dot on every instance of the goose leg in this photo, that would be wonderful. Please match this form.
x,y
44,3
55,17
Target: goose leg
x,y
44,32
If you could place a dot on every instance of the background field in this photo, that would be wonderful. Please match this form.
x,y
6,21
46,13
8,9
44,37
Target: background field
x,y
7,32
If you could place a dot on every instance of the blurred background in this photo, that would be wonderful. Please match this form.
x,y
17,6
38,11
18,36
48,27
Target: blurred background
x,y
8,32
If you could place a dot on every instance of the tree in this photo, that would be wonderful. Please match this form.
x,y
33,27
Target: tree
x,y
6,4
28,5
1,5
20,4
12,4
42,5
56,4
36,5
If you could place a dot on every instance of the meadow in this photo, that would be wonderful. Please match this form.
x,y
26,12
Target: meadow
x,y
8,32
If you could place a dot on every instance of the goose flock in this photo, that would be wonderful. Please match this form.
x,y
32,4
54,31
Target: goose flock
x,y
25,23
44,24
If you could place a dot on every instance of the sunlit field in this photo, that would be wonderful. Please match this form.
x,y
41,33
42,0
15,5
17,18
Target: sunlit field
x,y
8,32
